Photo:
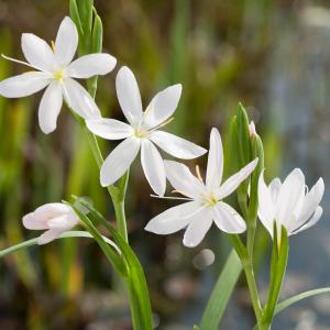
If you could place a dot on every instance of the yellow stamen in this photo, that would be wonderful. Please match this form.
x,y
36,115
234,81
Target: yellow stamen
x,y
162,124
198,172
139,133
210,200
58,75
52,43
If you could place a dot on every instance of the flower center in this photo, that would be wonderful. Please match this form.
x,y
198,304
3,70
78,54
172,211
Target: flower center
x,y
211,200
59,75
140,133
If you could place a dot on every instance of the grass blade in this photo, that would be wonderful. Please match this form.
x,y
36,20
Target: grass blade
x,y
290,301
221,293
34,241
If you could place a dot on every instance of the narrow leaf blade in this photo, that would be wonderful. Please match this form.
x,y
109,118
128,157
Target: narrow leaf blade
x,y
292,300
222,292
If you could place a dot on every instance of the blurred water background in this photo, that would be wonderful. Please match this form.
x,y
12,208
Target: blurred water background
x,y
272,55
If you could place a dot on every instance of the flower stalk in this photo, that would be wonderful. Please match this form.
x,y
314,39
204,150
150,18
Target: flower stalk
x,y
279,261
139,300
249,146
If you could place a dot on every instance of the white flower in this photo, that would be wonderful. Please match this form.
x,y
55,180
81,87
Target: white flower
x,y
56,70
289,203
205,199
142,132
55,217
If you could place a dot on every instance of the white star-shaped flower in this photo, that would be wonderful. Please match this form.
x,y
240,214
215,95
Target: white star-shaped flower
x,y
55,218
289,204
205,203
142,132
56,69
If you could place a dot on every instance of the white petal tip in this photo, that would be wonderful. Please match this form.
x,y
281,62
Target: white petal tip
x,y
149,228
109,63
178,87
189,244
320,183
124,69
48,130
153,227
214,130
297,171
104,183
67,18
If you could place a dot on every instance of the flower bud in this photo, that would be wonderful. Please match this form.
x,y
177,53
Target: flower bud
x,y
55,218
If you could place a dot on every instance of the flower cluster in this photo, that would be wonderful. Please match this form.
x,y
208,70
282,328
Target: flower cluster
x,y
286,204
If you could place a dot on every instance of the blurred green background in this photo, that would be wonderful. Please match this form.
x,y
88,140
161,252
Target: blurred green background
x,y
274,56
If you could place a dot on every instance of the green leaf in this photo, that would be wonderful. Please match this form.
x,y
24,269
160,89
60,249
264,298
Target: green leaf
x,y
85,8
137,285
257,152
290,301
221,293
74,13
113,256
97,35
243,135
34,241
277,271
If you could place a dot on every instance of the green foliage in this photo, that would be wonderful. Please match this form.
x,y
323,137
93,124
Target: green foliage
x,y
297,298
221,293
279,259
134,276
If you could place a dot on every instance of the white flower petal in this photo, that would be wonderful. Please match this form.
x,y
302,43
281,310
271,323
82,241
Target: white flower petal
x,y
66,42
63,222
91,65
215,161
24,84
314,219
235,180
310,203
128,94
38,219
199,225
38,53
79,100
274,188
53,209
227,219
290,194
110,129
162,106
119,160
176,146
173,219
153,167
183,181
48,236
266,210
35,221
50,107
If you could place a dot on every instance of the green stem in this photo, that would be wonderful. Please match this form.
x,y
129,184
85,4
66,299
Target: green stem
x,y
117,194
278,270
250,278
251,232
246,261
118,199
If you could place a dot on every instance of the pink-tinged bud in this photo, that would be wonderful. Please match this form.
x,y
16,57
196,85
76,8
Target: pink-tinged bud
x,y
252,129
55,218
